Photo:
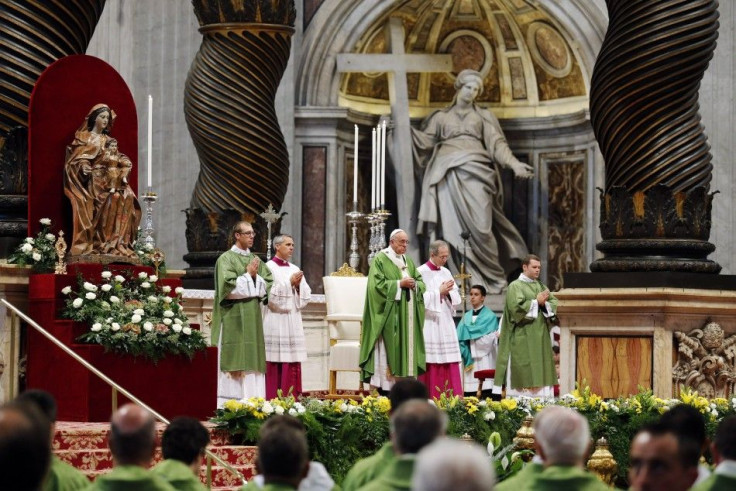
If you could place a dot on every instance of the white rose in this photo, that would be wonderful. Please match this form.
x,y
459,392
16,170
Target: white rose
x,y
77,302
50,236
119,279
267,408
114,299
148,326
143,275
187,330
108,320
145,284
166,289
106,287
45,221
139,311
167,322
152,299
135,319
148,247
115,326
153,278
168,313
278,410
177,321
29,240
489,416
299,408
66,290
96,327
26,247
292,412
179,290
343,407
175,327
89,287
36,256
168,299
90,296
107,275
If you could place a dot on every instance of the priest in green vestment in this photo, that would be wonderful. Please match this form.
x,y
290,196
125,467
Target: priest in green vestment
x,y
242,283
183,446
723,450
525,362
392,340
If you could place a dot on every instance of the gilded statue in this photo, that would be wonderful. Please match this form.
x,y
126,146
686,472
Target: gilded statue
x,y
705,361
105,210
461,150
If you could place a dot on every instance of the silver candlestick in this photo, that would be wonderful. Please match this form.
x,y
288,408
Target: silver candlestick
x,y
381,216
373,242
354,218
150,198
271,216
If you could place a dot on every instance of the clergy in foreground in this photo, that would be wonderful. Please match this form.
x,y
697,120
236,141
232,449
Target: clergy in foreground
x,y
525,362
441,297
242,283
283,331
478,333
392,342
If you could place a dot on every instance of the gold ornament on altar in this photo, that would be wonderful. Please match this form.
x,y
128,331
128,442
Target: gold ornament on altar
x,y
602,463
705,362
347,271
157,257
60,247
524,439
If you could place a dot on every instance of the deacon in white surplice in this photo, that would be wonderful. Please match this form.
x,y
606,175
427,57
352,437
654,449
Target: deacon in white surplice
x,y
441,298
283,331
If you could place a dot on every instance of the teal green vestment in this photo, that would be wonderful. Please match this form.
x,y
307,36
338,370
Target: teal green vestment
x,y
468,330
387,317
240,320
526,340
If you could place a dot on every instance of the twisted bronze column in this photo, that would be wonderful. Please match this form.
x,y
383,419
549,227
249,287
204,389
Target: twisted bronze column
x,y
229,107
34,34
656,205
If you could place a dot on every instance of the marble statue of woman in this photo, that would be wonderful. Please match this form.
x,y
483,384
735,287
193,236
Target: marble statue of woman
x,y
105,210
461,149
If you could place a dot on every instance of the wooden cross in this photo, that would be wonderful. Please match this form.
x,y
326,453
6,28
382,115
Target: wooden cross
x,y
397,64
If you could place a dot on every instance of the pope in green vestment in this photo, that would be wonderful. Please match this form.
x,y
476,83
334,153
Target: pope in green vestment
x,y
525,336
239,320
393,313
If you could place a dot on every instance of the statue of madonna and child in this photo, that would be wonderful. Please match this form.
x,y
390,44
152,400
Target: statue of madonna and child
x,y
461,150
105,210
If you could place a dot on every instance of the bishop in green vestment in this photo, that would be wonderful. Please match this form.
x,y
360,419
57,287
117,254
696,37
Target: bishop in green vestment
x,y
525,347
392,340
242,282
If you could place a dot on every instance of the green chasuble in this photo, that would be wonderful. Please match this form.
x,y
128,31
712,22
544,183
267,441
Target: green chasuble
x,y
468,330
564,478
178,474
365,470
716,482
525,340
395,477
129,478
390,318
522,479
240,320
64,477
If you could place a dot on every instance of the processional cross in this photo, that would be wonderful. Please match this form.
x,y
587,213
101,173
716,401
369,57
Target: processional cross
x,y
397,64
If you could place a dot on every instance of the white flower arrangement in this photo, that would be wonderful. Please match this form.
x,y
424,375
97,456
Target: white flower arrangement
x,y
38,253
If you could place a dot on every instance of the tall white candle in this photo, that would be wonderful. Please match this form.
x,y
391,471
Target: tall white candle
x,y
374,177
383,165
150,139
355,167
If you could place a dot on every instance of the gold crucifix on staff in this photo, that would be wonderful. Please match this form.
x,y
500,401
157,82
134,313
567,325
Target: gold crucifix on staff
x,y
462,276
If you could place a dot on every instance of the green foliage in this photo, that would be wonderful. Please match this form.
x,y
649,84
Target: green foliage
x,y
134,316
39,252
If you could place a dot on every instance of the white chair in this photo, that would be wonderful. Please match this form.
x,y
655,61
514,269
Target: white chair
x,y
345,298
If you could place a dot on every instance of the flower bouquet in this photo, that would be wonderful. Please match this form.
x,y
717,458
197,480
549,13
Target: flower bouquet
x,y
135,316
39,252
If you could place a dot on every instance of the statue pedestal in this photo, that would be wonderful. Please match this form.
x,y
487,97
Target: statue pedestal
x,y
617,338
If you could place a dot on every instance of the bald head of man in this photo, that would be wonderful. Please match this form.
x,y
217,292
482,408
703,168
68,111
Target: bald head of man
x,y
132,436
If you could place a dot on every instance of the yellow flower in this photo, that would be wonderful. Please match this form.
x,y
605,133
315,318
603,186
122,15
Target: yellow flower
x,y
472,408
259,414
233,405
384,404
509,404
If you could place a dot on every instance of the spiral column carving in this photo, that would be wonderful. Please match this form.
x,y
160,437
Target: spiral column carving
x,y
229,107
34,33
656,205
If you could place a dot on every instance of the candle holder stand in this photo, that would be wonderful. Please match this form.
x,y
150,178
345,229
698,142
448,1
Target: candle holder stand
x,y
372,219
381,216
149,197
354,218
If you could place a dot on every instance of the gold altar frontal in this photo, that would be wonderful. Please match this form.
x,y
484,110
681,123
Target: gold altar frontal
x,y
617,339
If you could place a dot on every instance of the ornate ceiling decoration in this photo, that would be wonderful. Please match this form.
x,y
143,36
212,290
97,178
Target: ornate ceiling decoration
x,y
526,57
